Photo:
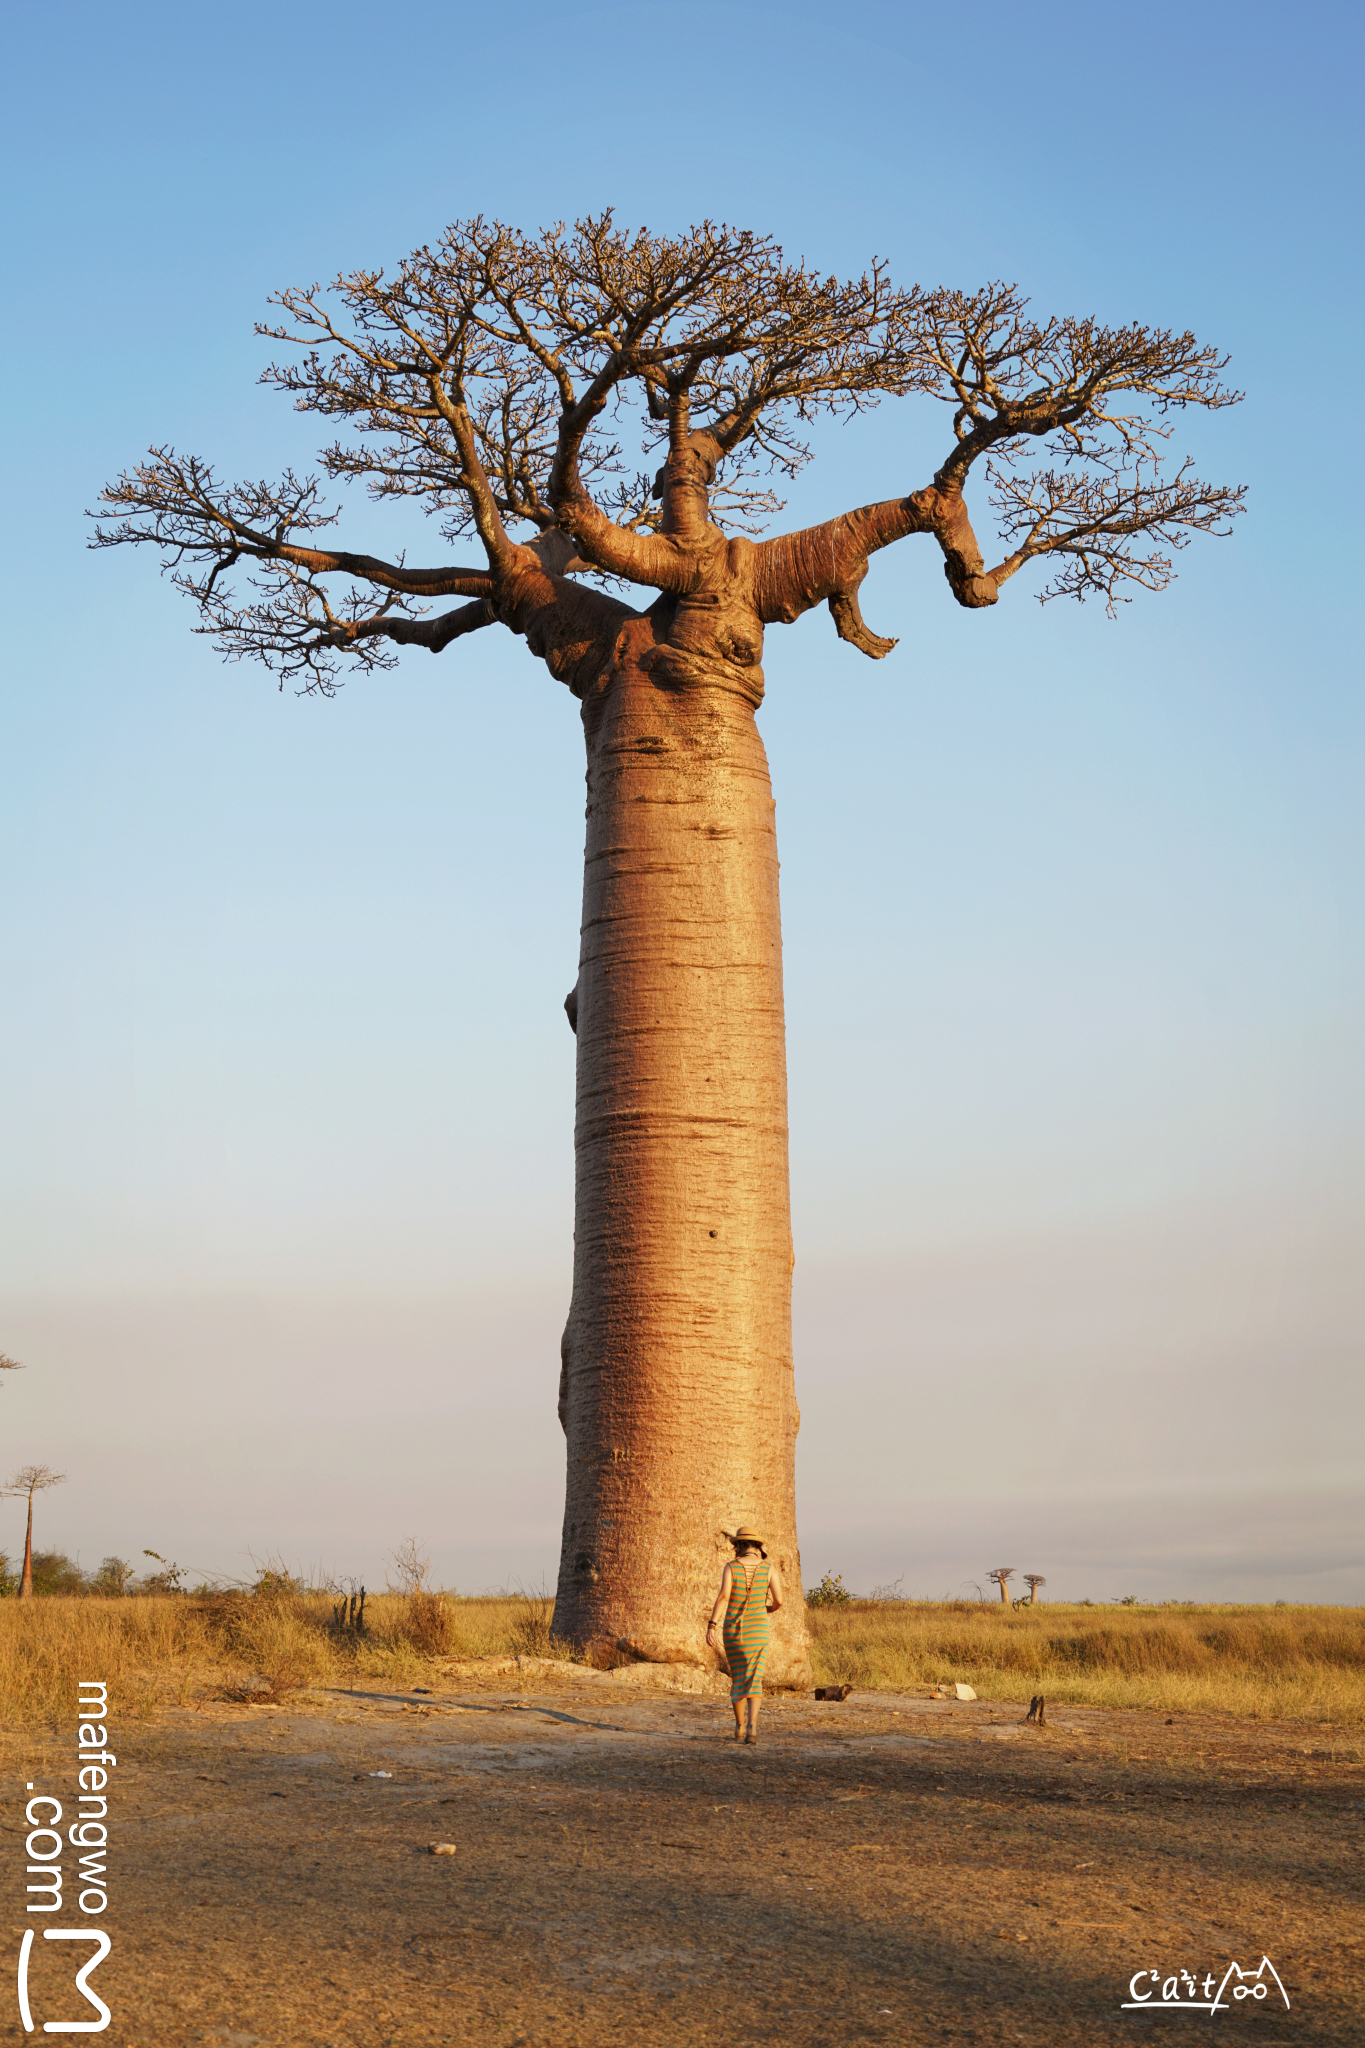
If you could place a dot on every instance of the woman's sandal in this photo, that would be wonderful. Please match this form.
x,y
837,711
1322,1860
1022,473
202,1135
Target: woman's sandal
x,y
751,1737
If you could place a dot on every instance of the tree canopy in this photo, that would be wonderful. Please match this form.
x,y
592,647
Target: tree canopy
x,y
31,1479
608,405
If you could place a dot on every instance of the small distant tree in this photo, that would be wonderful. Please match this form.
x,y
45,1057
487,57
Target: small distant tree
x,y
113,1576
1033,1580
27,1481
274,1581
1000,1577
8,1364
831,1592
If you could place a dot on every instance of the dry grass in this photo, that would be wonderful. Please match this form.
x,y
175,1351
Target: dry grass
x,y
1295,1663
1277,1663
171,1651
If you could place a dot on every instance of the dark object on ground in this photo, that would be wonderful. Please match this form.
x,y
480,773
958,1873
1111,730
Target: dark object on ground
x,y
1037,1711
348,1617
832,1692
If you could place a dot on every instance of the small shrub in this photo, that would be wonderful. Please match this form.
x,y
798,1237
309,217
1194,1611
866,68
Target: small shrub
x,y
430,1624
831,1592
170,1579
427,1624
113,1576
273,1582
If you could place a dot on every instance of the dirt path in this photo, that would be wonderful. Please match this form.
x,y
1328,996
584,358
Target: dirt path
x,y
882,1870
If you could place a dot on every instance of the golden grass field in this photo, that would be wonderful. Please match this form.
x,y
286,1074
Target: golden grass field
x,y
1269,1663
1277,1663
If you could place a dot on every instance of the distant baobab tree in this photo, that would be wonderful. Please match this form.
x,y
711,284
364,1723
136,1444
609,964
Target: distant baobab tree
x,y
31,1479
8,1364
494,380
999,1577
1033,1580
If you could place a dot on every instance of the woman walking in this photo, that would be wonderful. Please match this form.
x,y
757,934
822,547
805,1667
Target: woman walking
x,y
750,1590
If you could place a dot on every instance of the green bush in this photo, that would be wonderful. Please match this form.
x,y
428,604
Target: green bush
x,y
273,1582
831,1592
55,1573
113,1575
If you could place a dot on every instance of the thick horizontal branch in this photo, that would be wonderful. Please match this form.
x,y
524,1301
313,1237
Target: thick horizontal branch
x,y
827,563
433,634
447,582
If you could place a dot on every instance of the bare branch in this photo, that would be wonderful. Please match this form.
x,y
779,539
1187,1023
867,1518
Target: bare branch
x,y
1106,532
175,504
1007,375
31,1479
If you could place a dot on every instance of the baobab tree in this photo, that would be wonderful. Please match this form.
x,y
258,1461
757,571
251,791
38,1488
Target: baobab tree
x,y
1000,1577
495,380
1033,1580
31,1479
8,1364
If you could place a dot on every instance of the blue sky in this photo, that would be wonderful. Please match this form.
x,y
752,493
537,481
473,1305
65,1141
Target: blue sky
x,y
1071,906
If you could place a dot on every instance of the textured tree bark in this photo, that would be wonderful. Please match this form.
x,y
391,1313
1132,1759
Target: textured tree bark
x,y
676,1389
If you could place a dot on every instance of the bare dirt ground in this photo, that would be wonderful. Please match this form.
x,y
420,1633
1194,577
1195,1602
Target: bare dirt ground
x,y
889,1870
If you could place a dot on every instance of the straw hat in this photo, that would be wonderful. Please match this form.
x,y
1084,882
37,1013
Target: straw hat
x,y
744,1534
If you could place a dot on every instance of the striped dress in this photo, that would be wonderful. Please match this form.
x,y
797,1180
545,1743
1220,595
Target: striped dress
x,y
747,1630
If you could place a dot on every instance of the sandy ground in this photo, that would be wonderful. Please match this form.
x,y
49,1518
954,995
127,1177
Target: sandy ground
x,y
888,1870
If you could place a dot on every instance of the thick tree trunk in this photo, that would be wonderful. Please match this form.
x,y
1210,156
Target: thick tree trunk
x,y
676,1389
